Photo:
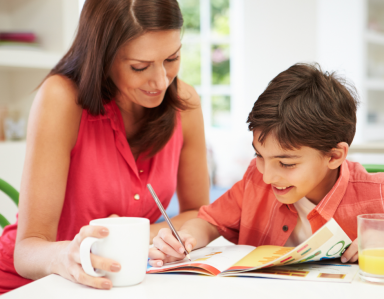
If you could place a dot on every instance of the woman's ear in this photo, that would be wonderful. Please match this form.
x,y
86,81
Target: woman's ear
x,y
338,155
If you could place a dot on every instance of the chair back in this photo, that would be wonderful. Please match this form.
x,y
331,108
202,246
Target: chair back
x,y
373,168
13,194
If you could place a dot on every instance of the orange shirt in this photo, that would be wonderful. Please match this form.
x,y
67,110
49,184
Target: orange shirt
x,y
249,212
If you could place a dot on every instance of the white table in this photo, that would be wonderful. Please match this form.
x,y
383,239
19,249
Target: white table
x,y
184,286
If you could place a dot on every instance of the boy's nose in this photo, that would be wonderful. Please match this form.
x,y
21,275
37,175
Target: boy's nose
x,y
269,176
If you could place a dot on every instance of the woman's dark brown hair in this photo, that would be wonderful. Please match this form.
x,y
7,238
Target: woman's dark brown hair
x,y
303,106
106,25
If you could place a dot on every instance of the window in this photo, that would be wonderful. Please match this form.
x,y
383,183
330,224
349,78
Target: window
x,y
212,60
206,57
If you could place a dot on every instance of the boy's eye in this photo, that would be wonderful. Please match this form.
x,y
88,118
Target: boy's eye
x,y
287,165
258,155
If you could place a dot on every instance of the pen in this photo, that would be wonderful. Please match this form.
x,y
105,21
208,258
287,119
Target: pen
x,y
161,208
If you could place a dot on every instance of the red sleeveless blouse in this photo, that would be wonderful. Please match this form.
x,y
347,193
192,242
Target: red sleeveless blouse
x,y
104,179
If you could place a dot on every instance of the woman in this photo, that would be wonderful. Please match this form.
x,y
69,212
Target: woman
x,y
110,118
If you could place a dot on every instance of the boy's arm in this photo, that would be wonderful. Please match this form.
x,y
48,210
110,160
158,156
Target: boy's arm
x,y
203,232
195,233
219,218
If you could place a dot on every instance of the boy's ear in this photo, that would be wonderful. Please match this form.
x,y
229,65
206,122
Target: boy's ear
x,y
338,155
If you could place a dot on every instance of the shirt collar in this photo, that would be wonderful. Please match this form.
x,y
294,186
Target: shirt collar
x,y
328,205
112,113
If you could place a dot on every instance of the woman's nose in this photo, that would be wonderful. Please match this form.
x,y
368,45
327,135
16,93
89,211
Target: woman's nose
x,y
160,79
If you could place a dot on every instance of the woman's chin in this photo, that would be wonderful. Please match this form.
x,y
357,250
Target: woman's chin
x,y
152,104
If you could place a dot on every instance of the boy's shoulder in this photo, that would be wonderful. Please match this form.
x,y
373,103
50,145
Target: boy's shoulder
x,y
252,173
363,189
358,174
253,179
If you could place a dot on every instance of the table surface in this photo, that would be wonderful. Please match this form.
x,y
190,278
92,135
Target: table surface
x,y
182,286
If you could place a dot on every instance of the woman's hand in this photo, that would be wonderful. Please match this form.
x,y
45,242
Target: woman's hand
x,y
69,265
168,249
351,254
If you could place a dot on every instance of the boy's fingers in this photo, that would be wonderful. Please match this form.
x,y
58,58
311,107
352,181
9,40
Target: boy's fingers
x,y
167,236
350,252
171,259
173,242
156,254
165,248
164,232
190,243
156,263
188,246
354,258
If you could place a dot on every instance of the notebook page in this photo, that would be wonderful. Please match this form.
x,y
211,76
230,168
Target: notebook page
x,y
215,259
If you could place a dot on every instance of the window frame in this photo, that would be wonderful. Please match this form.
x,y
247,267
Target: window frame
x,y
206,89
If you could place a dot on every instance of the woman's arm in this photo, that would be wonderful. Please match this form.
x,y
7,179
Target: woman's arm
x,y
52,133
193,177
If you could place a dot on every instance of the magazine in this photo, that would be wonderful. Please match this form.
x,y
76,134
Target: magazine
x,y
329,242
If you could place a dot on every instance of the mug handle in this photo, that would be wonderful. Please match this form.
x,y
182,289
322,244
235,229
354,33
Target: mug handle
x,y
85,257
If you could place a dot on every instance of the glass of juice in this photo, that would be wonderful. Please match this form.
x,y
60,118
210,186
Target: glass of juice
x,y
371,247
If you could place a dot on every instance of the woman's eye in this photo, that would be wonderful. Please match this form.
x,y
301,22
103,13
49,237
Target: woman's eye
x,y
138,70
172,59
258,155
287,165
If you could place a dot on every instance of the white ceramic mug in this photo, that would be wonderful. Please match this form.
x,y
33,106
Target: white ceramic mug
x,y
127,244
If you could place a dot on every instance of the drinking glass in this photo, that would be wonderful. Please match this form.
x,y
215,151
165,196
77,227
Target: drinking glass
x,y
371,247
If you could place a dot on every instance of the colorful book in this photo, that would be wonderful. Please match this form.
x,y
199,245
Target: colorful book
x,y
329,242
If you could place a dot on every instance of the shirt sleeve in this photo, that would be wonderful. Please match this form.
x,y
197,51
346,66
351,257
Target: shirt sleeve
x,y
225,212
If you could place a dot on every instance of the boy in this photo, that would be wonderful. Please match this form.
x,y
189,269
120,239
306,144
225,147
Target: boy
x,y
303,125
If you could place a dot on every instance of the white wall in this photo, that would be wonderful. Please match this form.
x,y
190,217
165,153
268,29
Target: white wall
x,y
276,34
12,155
341,47
279,33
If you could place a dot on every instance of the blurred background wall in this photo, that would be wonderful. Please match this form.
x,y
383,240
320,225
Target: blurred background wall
x,y
231,50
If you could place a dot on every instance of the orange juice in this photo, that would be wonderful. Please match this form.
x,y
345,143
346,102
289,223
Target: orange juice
x,y
372,261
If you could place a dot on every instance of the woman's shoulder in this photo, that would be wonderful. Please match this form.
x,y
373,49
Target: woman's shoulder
x,y
192,118
55,106
58,88
58,94
188,93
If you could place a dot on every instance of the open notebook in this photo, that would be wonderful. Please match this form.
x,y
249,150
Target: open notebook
x,y
329,242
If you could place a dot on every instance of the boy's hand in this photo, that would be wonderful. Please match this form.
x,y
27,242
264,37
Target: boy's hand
x,y
168,249
351,254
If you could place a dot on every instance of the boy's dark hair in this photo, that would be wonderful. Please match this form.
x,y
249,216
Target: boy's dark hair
x,y
303,106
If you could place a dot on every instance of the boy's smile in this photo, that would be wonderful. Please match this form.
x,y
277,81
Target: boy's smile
x,y
281,190
297,173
